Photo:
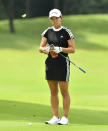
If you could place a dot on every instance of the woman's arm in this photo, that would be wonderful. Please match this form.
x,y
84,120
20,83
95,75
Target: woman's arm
x,y
71,47
43,46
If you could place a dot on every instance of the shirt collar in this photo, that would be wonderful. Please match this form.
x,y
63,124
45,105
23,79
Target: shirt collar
x,y
57,29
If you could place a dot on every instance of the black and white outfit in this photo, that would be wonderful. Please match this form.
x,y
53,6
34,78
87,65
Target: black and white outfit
x,y
58,68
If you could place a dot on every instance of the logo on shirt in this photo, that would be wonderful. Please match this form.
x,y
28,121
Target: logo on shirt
x,y
61,36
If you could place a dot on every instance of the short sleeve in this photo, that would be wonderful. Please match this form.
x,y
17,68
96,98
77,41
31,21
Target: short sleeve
x,y
45,33
69,34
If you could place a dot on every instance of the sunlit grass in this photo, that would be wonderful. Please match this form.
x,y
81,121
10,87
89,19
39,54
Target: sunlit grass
x,y
24,93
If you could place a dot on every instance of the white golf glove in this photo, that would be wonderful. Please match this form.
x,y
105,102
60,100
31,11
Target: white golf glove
x,y
47,48
57,49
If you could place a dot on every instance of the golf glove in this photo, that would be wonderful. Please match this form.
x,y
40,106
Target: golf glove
x,y
47,48
57,49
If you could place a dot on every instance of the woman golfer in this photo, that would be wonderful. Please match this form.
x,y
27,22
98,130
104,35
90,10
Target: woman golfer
x,y
59,40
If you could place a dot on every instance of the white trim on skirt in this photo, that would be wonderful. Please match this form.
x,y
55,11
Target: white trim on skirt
x,y
68,70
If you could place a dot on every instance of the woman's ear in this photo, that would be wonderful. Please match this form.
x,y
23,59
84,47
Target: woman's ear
x,y
61,17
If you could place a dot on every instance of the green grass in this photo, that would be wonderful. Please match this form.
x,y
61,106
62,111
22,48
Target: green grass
x,y
24,93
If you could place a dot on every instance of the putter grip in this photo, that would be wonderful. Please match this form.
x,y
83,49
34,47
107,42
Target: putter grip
x,y
82,70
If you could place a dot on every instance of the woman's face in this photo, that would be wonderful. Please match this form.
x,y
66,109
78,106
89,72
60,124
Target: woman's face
x,y
56,21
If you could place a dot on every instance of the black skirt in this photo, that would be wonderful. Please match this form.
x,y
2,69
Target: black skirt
x,y
57,69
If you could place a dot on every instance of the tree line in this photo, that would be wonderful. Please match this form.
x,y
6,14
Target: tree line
x,y
36,8
10,9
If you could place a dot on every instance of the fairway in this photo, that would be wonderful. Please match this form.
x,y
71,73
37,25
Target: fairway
x,y
24,93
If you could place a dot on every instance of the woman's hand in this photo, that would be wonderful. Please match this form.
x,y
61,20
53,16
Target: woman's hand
x,y
44,49
57,49
69,49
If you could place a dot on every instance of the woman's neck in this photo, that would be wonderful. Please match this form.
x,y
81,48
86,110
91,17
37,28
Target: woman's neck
x,y
57,27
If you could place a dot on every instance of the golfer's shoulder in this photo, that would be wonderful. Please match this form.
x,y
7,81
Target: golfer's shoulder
x,y
46,30
68,31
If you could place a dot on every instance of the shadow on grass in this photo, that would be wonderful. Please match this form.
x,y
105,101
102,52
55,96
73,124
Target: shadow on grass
x,y
27,37
83,43
13,110
20,42
88,23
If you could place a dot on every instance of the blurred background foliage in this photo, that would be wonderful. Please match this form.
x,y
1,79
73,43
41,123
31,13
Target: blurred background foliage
x,y
36,8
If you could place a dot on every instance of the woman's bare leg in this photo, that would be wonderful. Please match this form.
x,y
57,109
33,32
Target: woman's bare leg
x,y
54,96
66,98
